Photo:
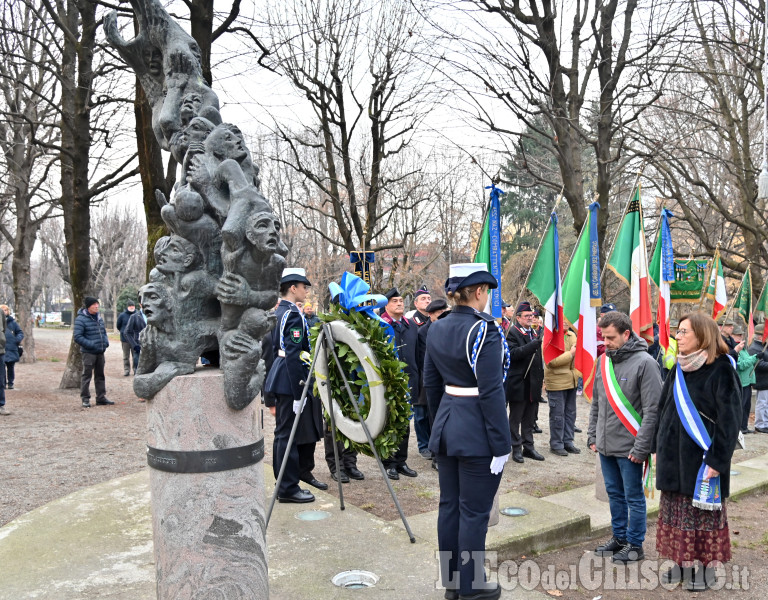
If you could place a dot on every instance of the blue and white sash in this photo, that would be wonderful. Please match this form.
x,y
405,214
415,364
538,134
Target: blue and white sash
x,y
478,344
707,492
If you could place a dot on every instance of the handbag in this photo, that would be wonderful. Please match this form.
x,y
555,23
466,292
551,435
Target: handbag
x,y
21,351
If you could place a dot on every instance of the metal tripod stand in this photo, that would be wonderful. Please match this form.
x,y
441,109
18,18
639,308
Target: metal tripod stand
x,y
326,343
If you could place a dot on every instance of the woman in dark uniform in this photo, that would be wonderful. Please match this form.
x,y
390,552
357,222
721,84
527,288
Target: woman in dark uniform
x,y
464,376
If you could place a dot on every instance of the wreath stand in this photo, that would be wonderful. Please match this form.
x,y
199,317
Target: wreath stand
x,y
327,345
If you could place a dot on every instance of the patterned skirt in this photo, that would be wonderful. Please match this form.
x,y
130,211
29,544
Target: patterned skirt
x,y
686,533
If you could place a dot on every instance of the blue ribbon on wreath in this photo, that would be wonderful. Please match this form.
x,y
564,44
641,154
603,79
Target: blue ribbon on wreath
x,y
352,294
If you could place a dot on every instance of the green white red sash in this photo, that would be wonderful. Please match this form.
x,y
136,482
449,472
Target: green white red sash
x,y
626,413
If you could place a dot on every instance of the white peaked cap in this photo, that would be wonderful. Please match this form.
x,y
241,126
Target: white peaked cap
x,y
294,271
465,269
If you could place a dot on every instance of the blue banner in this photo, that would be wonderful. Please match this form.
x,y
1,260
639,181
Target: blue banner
x,y
556,325
494,232
667,257
595,293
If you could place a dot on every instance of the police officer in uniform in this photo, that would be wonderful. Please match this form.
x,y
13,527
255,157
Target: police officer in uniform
x,y
525,350
464,376
290,338
421,300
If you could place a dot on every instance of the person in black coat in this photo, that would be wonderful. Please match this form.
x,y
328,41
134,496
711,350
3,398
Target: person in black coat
x,y
137,323
91,335
715,391
470,436
525,353
13,338
122,321
407,347
290,338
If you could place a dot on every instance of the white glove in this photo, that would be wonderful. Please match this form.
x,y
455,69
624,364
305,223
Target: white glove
x,y
297,405
497,464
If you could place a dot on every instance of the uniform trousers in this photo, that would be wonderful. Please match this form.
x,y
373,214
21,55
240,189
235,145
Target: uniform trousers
x,y
306,461
746,406
347,456
284,417
522,413
467,488
400,456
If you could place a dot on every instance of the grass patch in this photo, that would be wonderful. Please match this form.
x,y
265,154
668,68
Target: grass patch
x,y
368,506
54,359
542,490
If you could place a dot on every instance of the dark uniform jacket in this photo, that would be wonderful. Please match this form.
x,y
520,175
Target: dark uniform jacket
x,y
761,368
90,333
716,394
524,350
287,372
419,318
466,425
422,350
407,346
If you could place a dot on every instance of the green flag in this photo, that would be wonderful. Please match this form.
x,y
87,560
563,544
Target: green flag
x,y
743,304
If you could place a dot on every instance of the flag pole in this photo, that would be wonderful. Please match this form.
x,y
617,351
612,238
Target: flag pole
x,y
703,297
623,215
736,297
536,256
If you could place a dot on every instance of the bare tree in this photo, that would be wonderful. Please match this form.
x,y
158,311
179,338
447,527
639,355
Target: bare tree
x,y
356,65
27,132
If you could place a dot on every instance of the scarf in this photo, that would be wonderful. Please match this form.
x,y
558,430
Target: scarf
x,y
693,361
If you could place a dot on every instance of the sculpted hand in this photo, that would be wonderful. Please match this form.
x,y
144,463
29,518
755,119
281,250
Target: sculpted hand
x,y
233,289
497,464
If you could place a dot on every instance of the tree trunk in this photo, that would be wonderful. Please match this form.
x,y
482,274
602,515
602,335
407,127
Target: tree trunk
x,y
22,285
77,82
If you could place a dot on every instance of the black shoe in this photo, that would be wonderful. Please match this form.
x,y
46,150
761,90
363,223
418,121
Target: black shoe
x,y
572,449
104,402
355,473
542,401
86,404
10,386
629,553
300,497
392,473
315,483
531,453
576,430
451,595
492,594
675,575
517,455
558,451
610,547
425,454
536,429
127,374
344,477
744,431
701,580
762,429
407,471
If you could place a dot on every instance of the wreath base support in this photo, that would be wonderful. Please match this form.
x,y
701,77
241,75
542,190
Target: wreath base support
x,y
326,345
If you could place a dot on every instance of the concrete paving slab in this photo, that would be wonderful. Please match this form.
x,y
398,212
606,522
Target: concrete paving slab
x,y
546,526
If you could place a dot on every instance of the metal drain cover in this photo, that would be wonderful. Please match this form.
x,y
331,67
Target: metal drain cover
x,y
355,579
312,515
514,511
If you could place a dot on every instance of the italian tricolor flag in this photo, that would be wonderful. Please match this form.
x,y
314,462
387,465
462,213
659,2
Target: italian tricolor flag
x,y
579,304
716,287
629,261
663,275
544,283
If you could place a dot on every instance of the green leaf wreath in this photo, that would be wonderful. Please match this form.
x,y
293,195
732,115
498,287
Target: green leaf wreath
x,y
390,370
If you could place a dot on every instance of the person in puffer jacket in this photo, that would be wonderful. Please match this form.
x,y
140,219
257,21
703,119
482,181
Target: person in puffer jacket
x,y
91,335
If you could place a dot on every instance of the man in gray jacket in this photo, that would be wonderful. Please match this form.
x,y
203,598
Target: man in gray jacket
x,y
621,424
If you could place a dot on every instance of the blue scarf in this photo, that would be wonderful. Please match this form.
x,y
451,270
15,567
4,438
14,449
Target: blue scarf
x,y
706,495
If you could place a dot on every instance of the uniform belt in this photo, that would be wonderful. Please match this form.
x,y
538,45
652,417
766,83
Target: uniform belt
x,y
281,353
454,390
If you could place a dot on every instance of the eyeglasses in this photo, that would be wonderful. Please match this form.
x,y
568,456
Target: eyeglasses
x,y
681,332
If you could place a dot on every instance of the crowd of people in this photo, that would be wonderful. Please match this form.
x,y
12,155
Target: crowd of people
x,y
475,389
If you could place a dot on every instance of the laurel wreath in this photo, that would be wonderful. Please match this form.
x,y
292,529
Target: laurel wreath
x,y
390,370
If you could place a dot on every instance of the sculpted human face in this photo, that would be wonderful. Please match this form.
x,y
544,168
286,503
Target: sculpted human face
x,y
190,106
264,232
156,307
197,130
154,61
227,144
174,258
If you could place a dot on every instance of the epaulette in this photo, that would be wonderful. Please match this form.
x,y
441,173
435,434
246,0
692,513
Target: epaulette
x,y
484,316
